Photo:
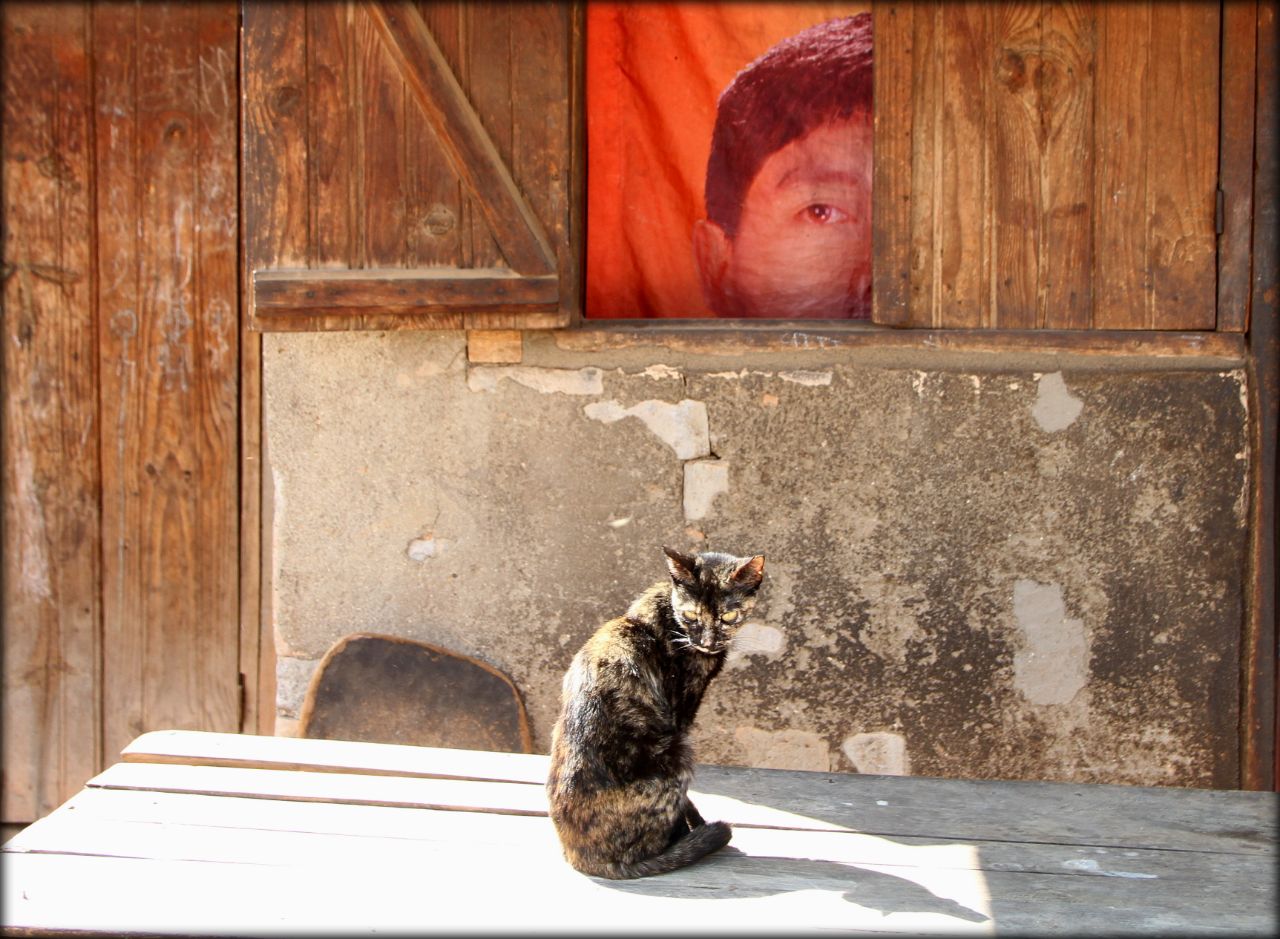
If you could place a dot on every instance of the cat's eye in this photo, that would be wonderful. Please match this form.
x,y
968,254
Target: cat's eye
x,y
730,616
689,616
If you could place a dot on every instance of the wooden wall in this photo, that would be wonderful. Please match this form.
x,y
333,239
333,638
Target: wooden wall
x,y
414,165
1056,165
121,384
1038,165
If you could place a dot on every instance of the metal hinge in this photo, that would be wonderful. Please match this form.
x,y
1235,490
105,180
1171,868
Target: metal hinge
x,y
1220,212
240,684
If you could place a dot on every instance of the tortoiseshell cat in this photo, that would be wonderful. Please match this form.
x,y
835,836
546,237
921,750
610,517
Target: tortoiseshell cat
x,y
620,754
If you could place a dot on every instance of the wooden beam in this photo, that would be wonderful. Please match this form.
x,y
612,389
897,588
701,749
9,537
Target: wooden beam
x,y
1261,704
448,291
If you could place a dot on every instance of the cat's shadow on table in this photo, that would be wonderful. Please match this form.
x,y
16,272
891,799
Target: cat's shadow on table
x,y
749,876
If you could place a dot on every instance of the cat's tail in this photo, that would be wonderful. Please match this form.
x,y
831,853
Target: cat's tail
x,y
694,846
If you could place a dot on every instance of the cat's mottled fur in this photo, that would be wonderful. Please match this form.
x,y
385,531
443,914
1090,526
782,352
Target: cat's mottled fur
x,y
620,754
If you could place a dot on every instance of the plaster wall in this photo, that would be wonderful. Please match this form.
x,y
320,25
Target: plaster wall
x,y
977,565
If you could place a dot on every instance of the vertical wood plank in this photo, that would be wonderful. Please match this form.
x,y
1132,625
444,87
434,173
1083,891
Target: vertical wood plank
x,y
214,409
170,653
891,233
448,25
1018,144
381,143
1235,162
966,275
1065,292
119,297
330,143
273,136
539,117
538,74
51,610
1122,273
433,192
926,176
487,56
1182,162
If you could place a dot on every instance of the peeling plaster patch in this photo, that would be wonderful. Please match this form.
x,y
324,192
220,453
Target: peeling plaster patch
x,y
1055,408
683,427
882,752
808,378
738,375
755,639
703,481
660,372
783,749
1053,663
564,381
422,548
891,619
293,677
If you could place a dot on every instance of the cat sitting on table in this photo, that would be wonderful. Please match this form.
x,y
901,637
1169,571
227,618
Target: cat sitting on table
x,y
621,760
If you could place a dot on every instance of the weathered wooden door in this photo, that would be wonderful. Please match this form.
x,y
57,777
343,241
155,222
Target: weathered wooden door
x,y
120,384
413,165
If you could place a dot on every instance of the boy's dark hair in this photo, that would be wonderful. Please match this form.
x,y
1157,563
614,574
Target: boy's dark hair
x,y
821,74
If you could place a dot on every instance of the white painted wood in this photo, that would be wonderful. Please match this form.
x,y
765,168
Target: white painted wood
x,y
248,750
214,834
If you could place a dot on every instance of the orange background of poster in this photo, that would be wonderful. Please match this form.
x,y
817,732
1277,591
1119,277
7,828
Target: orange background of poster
x,y
654,72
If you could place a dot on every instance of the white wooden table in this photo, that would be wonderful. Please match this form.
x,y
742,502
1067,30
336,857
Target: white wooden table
x,y
212,834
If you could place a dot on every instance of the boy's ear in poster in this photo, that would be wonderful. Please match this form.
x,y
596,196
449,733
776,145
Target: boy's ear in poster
x,y
729,160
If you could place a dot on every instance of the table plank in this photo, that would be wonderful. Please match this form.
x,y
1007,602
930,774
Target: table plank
x,y
203,748
1230,821
940,890
151,896
408,791
125,823
227,834
1088,815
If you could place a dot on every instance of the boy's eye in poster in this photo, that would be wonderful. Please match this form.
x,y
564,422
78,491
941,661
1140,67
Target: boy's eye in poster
x,y
729,160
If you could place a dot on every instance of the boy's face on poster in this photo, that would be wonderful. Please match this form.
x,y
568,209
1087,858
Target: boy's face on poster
x,y
802,248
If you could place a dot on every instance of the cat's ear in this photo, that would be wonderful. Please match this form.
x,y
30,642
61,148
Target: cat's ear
x,y
680,566
749,573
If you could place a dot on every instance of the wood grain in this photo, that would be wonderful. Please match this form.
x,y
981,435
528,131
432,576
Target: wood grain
x,y
891,190
926,173
1061,162
421,289
1235,161
385,148
965,259
383,113
328,844
1182,163
1019,152
51,605
1064,292
1122,273
120,824
471,150
332,132
171,629
274,134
